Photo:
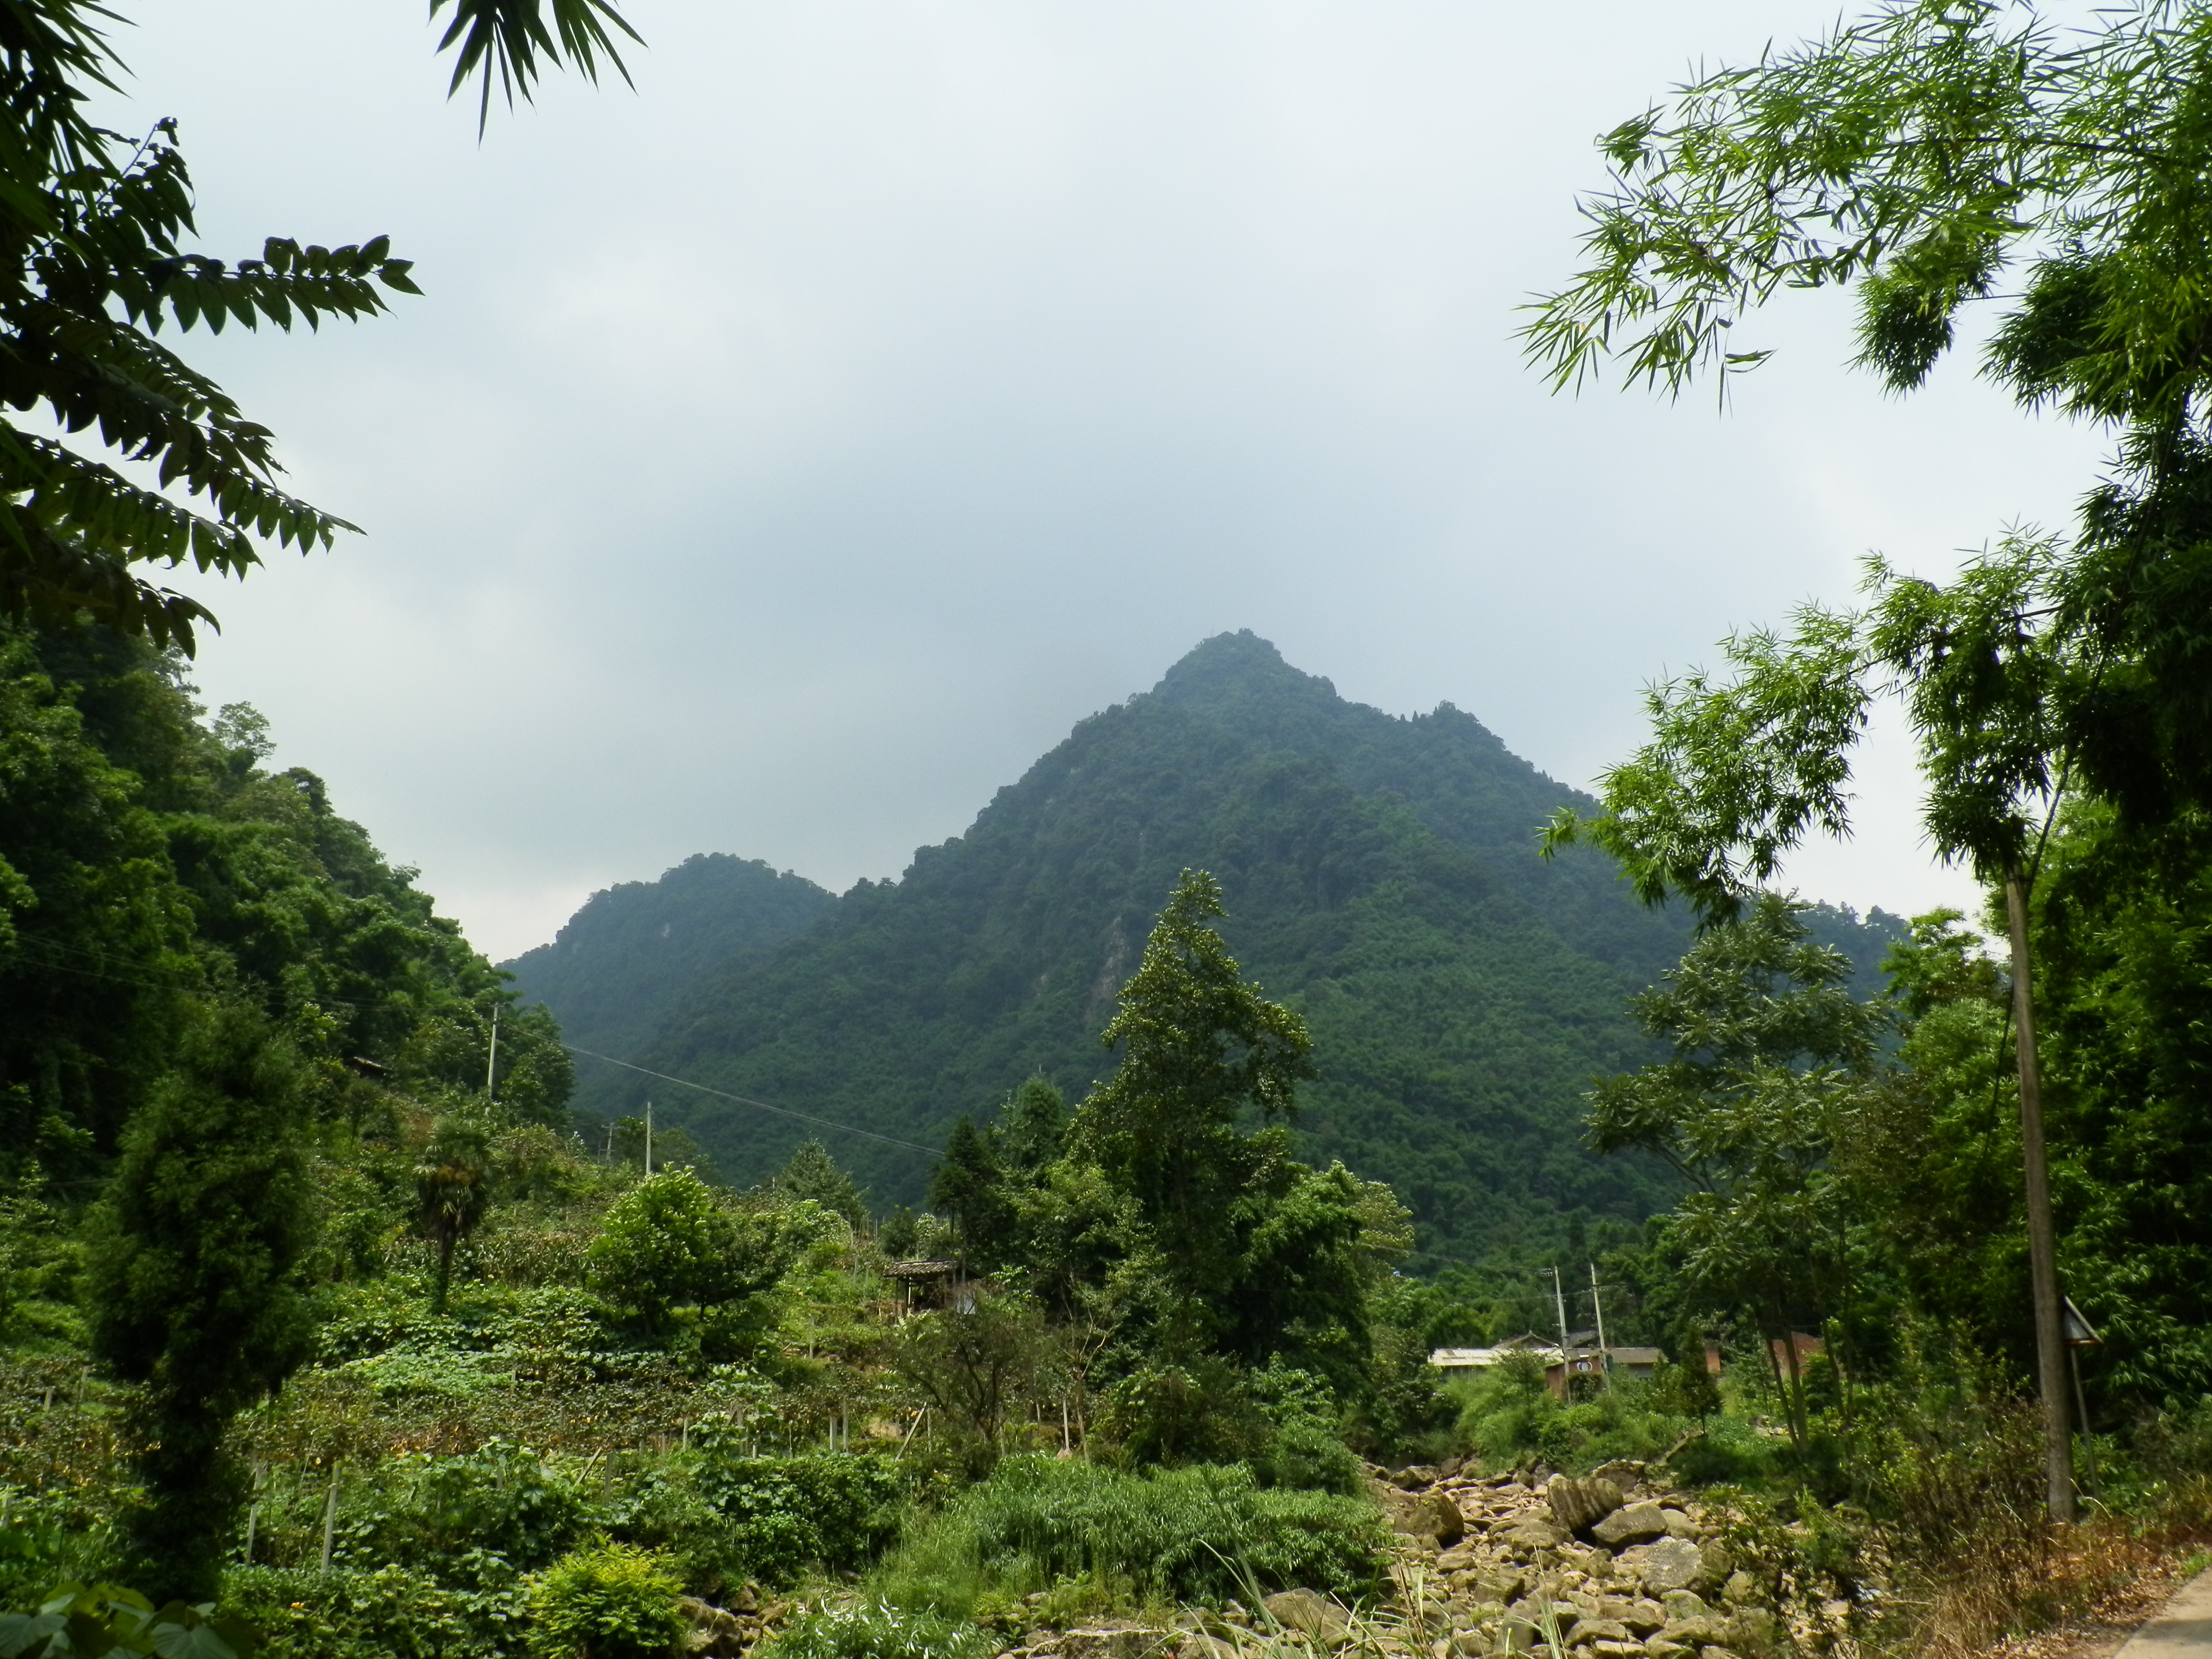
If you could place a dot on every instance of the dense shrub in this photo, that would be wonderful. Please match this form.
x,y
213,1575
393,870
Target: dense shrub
x,y
1730,1452
836,1509
1949,1459
52,1537
1509,1416
654,1508
1192,1534
391,1612
1299,1441
876,1631
616,1601
501,1501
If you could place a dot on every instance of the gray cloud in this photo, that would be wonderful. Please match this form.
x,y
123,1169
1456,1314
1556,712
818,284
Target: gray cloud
x,y
787,454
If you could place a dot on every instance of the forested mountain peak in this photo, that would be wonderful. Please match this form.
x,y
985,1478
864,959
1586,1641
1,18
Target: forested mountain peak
x,y
614,967
1381,876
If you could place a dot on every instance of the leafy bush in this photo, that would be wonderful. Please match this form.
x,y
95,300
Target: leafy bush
x,y
82,1619
834,1509
51,1537
1730,1452
878,1631
1189,1535
651,1508
356,1320
1509,1416
391,1612
1301,1445
1951,1462
616,1601
501,1501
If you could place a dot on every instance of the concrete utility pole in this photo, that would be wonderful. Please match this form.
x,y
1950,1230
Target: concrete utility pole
x,y
648,1136
1597,1313
1559,1301
2051,1369
491,1061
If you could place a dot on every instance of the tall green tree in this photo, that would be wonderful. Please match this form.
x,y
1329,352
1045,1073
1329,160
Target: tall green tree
x,y
1738,773
1201,1049
95,263
1769,1067
194,1293
1032,1128
813,1174
970,1185
1246,1253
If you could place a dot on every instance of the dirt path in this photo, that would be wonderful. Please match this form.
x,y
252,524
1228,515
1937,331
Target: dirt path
x,y
2182,1629
2136,1611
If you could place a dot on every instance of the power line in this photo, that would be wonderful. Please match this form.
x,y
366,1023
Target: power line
x,y
761,1105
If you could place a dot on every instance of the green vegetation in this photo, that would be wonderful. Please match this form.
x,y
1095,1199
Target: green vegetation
x,y
95,225
382,1361
306,1324
615,1602
2053,687
1203,1535
635,951
1460,994
316,1323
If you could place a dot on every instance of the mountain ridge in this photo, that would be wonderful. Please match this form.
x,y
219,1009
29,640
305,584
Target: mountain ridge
x,y
1381,876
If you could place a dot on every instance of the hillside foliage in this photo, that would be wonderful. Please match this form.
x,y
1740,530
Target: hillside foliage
x,y
1381,879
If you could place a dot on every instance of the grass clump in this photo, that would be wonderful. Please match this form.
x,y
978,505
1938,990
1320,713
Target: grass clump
x,y
878,1630
1189,1535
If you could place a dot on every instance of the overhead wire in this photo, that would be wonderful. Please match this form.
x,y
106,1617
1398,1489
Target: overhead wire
x,y
761,1105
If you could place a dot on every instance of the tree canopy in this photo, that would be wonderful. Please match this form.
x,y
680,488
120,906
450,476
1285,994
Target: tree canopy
x,y
95,264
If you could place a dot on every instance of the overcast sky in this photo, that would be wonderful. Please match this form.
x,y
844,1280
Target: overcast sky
x,y
789,452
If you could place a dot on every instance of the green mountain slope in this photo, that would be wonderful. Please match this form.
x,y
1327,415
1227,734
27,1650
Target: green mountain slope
x,y
639,948
1381,878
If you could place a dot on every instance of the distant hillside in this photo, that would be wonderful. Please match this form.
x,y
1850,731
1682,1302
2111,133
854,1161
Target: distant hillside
x,y
637,951
1382,877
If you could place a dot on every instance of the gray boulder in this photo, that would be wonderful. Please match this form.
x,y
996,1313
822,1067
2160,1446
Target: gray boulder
x,y
1577,1505
1600,1629
1533,1533
1501,1584
1436,1516
1313,1615
1129,1643
1671,1564
1633,1524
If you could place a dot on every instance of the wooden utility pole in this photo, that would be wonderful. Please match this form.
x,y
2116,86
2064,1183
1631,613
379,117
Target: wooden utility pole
x,y
648,1136
2051,1371
330,1517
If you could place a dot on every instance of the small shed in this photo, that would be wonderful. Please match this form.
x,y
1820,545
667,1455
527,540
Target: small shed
x,y
937,1285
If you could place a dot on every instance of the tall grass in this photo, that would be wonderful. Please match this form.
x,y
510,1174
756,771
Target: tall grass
x,y
1188,1535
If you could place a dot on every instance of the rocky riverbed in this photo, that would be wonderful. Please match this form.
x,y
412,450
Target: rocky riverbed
x,y
1616,1566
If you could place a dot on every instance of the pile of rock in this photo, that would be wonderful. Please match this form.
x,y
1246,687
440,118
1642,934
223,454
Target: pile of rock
x,y
1614,1565
713,1632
